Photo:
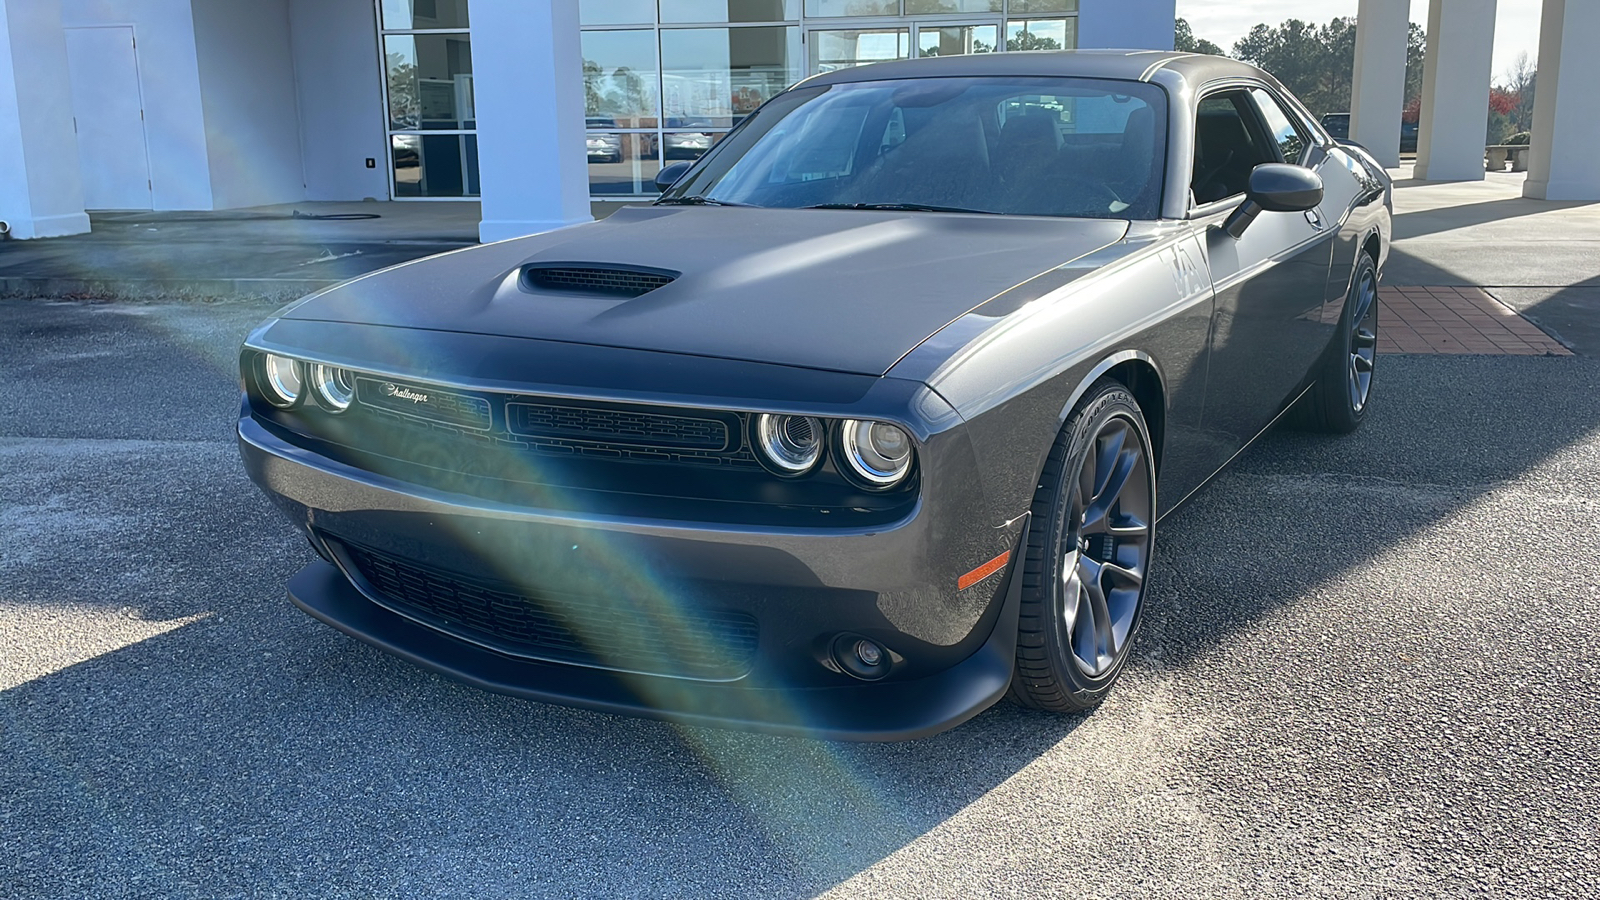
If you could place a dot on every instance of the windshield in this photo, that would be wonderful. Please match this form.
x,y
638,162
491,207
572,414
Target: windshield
x,y
1024,146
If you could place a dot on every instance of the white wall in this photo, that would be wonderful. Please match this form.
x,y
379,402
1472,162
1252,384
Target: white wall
x,y
40,192
340,97
247,88
1126,24
169,79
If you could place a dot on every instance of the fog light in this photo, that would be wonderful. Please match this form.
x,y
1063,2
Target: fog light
x,y
869,653
861,657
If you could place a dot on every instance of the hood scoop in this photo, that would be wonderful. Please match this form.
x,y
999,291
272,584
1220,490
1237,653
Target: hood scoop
x,y
594,280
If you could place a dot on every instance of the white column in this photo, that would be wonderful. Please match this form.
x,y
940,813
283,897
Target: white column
x,y
1455,90
528,77
1378,95
1562,162
41,192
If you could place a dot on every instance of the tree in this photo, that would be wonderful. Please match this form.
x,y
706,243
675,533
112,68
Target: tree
x,y
1184,41
1027,40
1317,63
1520,82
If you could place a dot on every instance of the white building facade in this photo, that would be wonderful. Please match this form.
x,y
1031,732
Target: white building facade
x,y
532,106
218,104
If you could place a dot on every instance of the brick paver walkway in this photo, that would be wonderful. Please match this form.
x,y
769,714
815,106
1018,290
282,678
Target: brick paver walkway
x,y
1456,320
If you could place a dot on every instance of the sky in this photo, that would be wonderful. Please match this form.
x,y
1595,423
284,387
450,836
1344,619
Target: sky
x,y
1516,27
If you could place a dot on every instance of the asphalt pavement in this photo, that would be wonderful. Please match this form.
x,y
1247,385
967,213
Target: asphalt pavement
x,y
1369,669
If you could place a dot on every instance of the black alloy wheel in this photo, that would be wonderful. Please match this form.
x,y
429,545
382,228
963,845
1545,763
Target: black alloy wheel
x,y
1338,400
1089,552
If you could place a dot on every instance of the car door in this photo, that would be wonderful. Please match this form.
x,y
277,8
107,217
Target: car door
x,y
1270,283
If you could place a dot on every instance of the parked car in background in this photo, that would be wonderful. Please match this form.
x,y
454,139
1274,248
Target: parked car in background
x,y
1338,127
603,147
867,423
686,144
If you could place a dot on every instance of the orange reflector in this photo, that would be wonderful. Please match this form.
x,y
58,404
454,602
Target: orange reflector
x,y
983,571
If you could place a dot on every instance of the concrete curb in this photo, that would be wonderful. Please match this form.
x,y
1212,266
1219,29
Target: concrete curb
x,y
284,289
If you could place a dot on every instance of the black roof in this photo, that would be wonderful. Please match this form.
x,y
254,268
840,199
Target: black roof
x,y
1122,65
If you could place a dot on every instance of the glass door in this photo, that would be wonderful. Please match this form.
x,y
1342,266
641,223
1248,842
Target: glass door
x,y
957,40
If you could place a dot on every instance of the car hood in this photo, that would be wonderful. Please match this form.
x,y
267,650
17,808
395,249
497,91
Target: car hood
x,y
842,290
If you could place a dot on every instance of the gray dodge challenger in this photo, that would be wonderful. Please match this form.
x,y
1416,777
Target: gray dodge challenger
x,y
866,424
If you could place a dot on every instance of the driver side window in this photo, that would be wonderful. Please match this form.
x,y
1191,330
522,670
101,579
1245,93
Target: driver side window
x,y
1227,146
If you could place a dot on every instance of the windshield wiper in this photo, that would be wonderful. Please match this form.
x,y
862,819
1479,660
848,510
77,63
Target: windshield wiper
x,y
698,200
911,207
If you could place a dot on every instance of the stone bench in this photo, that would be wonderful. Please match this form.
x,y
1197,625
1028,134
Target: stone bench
x,y
1495,156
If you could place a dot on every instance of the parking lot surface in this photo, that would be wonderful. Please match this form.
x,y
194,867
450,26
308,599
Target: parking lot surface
x,y
1371,668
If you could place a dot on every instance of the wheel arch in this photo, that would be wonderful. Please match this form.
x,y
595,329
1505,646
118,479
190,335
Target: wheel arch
x,y
1137,371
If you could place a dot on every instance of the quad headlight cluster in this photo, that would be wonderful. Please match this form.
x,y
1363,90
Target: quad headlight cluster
x,y
286,382
875,455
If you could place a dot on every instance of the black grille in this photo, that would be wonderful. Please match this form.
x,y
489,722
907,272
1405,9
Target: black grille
x,y
655,637
616,426
596,280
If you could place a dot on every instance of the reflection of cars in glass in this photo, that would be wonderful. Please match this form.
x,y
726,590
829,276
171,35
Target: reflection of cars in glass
x,y
604,147
866,424
686,145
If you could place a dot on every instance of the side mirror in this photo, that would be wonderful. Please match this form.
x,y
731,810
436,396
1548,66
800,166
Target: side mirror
x,y
670,173
1275,187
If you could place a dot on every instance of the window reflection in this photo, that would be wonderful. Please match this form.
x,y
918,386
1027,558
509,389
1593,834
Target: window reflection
x,y
1042,34
616,12
620,76
430,81
956,40
435,165
399,15
622,164
1039,6
852,7
917,7
729,10
831,50
717,75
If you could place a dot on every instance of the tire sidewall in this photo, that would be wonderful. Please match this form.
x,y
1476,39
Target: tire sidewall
x,y
1110,402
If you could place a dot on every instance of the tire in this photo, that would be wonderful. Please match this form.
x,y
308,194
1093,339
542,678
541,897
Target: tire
x,y
1340,397
1087,561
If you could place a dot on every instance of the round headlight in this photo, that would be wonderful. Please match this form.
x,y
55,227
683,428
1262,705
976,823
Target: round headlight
x,y
283,381
789,445
877,453
335,387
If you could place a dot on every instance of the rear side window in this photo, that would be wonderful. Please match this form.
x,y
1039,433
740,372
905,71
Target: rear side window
x,y
1291,142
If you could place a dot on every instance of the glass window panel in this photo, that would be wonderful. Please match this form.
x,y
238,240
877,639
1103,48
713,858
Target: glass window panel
x,y
404,14
956,40
676,145
1043,6
1042,34
916,7
852,7
1288,137
617,12
430,81
832,50
620,77
712,77
729,10
625,166
435,165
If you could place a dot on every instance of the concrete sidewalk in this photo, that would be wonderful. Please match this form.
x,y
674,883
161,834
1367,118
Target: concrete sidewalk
x,y
273,252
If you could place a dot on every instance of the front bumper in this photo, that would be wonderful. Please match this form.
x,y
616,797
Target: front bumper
x,y
953,649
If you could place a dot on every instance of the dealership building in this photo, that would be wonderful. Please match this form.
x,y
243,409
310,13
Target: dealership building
x,y
533,107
